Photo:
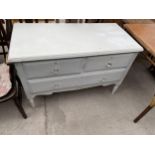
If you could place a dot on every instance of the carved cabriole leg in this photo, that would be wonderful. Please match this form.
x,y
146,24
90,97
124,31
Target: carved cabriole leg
x,y
31,100
116,86
145,111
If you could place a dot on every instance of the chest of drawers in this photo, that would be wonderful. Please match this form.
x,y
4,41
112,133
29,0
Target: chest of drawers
x,y
70,56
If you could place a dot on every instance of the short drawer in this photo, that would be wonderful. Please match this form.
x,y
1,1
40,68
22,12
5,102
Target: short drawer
x,y
53,68
74,81
108,62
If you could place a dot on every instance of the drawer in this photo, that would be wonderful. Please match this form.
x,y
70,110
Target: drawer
x,y
53,68
74,81
108,62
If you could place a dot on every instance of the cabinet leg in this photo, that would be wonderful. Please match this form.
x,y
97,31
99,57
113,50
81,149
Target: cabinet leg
x,y
115,88
32,102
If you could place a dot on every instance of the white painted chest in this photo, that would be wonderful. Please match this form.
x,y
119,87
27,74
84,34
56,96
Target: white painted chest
x,y
60,57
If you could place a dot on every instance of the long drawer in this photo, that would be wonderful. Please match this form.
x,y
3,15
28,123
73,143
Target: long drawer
x,y
74,66
73,81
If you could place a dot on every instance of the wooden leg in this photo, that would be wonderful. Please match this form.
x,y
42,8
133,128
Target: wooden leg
x,y
4,53
18,102
146,110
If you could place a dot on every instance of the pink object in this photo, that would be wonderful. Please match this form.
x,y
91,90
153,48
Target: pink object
x,y
5,83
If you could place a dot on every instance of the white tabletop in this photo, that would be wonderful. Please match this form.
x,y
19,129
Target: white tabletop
x,y
43,41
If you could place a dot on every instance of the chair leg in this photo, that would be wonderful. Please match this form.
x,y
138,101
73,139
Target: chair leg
x,y
18,102
145,111
4,52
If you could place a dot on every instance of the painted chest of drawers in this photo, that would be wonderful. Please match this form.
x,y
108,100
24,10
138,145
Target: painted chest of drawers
x,y
53,58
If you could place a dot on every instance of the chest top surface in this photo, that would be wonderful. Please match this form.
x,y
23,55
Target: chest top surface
x,y
43,41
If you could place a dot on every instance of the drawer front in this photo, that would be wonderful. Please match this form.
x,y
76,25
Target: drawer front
x,y
53,68
74,81
108,62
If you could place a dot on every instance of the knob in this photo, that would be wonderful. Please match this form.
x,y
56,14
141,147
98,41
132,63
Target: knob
x,y
109,64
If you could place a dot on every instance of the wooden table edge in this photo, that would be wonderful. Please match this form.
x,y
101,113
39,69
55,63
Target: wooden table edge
x,y
138,39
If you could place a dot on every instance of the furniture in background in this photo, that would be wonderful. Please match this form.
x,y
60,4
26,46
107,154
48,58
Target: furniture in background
x,y
138,21
119,21
5,35
3,39
53,58
145,35
147,109
35,20
149,56
48,20
15,92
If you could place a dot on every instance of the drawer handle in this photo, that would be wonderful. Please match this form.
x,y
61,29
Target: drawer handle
x,y
109,65
56,67
56,86
104,79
